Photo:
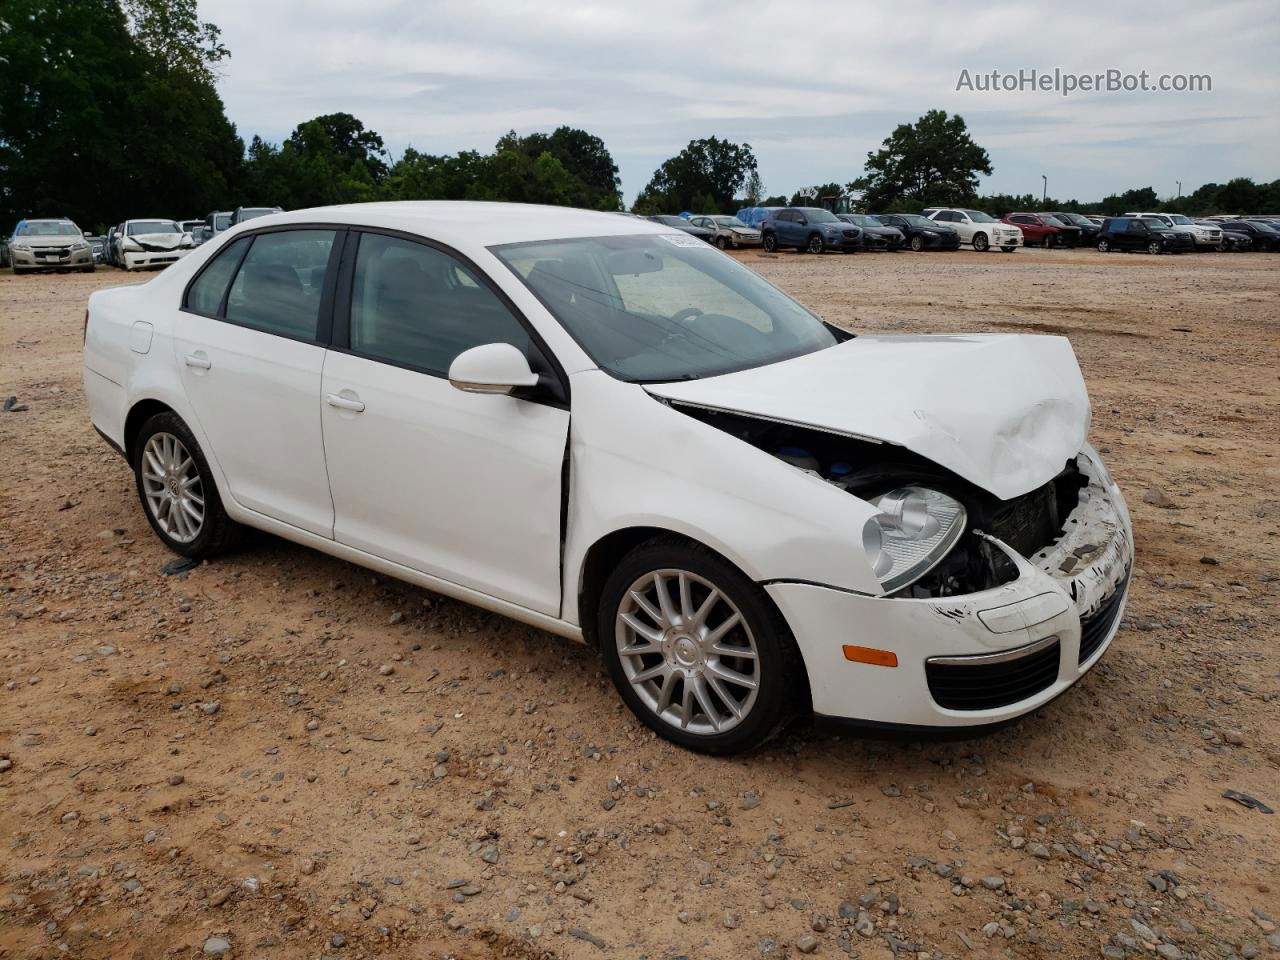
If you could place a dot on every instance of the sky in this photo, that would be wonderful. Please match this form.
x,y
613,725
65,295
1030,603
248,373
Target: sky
x,y
811,85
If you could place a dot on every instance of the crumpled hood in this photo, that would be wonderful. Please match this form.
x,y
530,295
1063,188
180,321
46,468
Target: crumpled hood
x,y
1003,411
157,241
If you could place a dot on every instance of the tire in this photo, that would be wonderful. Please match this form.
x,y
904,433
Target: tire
x,y
1220,247
980,242
86,269
689,660
917,243
215,532
815,244
1153,248
1047,241
720,244
1104,246
770,243
1008,249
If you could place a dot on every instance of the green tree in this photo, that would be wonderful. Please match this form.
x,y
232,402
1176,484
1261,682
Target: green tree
x,y
1242,195
933,161
705,176
172,33
593,183
97,126
344,141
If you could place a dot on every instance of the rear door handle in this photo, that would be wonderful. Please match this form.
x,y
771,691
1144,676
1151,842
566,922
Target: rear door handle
x,y
200,363
344,403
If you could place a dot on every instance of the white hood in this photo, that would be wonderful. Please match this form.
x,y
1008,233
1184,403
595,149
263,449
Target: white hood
x,y
161,241
1005,412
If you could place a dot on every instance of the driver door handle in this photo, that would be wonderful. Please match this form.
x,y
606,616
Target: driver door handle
x,y
199,363
344,403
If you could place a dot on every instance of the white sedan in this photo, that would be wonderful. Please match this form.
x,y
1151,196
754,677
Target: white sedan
x,y
151,243
612,431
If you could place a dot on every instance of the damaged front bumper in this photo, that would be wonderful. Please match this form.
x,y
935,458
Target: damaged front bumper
x,y
980,658
137,259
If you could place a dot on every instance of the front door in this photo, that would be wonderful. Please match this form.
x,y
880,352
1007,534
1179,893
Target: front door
x,y
462,486
248,347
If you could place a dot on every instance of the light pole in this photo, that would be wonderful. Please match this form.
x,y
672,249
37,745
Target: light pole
x,y
1045,196
1179,183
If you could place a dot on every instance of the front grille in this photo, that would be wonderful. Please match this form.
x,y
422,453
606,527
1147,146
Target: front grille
x,y
1095,627
851,234
986,686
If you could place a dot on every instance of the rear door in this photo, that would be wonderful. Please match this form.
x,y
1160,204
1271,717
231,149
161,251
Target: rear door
x,y
462,486
249,343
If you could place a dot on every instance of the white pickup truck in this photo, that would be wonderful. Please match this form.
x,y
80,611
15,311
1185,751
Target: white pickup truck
x,y
1206,238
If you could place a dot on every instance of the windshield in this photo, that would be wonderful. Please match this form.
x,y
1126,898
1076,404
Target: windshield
x,y
1154,224
862,220
1074,218
816,215
977,216
918,221
664,307
48,228
1264,226
1179,219
248,213
151,226
730,222
1052,221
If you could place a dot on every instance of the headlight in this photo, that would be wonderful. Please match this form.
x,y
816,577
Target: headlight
x,y
80,245
19,245
930,233
915,529
185,241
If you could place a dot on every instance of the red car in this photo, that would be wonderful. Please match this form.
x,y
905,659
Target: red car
x,y
1044,230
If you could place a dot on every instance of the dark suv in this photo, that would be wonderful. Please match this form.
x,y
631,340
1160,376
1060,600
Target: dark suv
x,y
1088,229
1135,233
809,228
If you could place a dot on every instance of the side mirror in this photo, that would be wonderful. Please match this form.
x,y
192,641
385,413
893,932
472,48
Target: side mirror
x,y
492,368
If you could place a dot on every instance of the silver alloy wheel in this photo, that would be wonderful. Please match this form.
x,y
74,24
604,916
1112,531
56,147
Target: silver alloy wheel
x,y
172,486
689,655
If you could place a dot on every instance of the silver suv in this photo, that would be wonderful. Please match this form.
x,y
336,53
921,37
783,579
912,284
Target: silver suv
x,y
49,245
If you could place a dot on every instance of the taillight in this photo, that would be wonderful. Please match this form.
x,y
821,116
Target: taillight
x,y
84,335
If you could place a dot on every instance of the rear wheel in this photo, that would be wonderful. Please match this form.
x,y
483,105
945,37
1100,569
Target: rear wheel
x,y
177,490
980,242
696,650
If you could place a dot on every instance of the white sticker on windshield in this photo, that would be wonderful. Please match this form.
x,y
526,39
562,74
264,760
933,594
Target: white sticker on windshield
x,y
682,240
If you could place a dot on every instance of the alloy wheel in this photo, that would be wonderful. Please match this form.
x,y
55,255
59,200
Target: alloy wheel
x,y
687,652
1103,246
1153,247
172,487
815,244
980,242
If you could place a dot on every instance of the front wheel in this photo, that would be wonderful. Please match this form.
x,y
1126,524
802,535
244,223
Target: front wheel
x,y
1104,246
917,243
1008,249
770,243
980,242
720,243
1153,247
177,490
816,244
1047,241
696,650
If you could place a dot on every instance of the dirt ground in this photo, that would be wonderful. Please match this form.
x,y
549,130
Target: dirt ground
x,y
286,756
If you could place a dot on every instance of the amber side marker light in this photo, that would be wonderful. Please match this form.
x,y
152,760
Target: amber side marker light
x,y
877,658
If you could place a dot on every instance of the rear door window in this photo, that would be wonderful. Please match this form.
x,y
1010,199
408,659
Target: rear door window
x,y
279,285
210,288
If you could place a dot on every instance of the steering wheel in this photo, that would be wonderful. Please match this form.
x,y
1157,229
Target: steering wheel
x,y
688,313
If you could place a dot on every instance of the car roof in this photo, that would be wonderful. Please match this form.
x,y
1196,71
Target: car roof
x,y
471,222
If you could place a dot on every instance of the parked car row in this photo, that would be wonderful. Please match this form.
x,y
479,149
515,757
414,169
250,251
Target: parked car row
x,y
137,244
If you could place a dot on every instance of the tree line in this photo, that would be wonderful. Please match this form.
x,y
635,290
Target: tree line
x,y
110,111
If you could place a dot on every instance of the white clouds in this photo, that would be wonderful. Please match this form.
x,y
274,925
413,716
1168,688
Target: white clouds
x,y
812,85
